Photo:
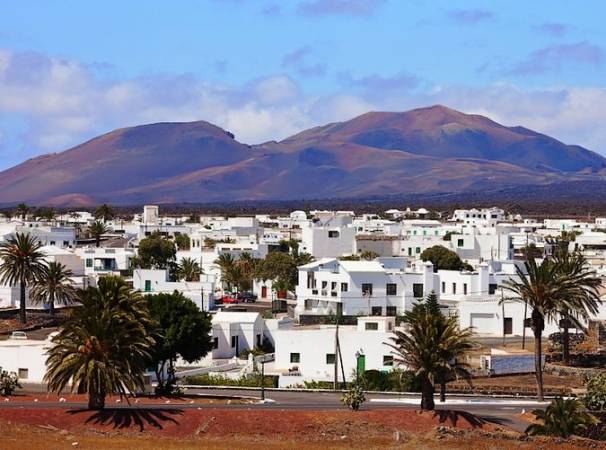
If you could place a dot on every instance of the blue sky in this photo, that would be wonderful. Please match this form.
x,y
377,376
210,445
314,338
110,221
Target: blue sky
x,y
264,69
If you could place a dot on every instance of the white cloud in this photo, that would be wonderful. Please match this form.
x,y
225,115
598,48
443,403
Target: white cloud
x,y
62,103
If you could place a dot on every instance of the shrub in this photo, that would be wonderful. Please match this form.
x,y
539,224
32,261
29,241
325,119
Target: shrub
x,y
251,380
313,384
595,397
354,397
9,382
563,418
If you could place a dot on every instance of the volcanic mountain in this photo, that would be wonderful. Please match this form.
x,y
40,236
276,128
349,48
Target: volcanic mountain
x,y
426,150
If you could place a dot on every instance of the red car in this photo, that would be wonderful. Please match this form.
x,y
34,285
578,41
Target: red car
x,y
229,299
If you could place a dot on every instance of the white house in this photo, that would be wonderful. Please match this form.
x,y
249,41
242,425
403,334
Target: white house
x,y
155,281
308,353
351,288
27,358
233,332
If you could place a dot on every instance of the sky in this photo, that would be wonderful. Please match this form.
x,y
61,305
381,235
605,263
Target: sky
x,y
266,69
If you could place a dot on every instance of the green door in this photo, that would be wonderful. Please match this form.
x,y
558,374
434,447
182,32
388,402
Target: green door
x,y
361,364
147,285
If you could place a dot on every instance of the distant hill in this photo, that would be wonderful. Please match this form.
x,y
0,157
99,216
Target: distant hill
x,y
426,150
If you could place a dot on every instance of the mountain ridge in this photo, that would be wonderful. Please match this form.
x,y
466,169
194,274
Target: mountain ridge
x,y
425,150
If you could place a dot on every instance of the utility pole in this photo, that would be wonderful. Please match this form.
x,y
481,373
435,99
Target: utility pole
x,y
524,325
336,374
503,315
263,377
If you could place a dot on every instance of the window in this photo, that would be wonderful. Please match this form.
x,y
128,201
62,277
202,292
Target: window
x,y
215,343
65,243
464,288
391,311
258,340
418,250
460,242
333,234
330,358
492,288
333,286
387,360
371,326
392,289
454,288
89,262
295,357
52,242
311,281
23,374
234,341
417,290
443,287
366,288
344,287
409,251
376,311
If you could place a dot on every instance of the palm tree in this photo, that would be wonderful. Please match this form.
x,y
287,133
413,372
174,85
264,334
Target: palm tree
x,y
189,270
227,264
431,347
104,347
96,230
586,299
105,213
21,263
547,291
53,285
563,418
21,210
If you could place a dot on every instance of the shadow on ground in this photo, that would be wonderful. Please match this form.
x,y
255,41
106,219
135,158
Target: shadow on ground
x,y
131,417
451,417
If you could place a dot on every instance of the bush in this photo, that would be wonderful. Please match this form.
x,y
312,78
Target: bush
x,y
9,382
251,380
562,418
595,397
313,384
354,397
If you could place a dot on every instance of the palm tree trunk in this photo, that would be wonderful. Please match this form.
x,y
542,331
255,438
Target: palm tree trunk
x,y
566,343
427,391
96,400
22,312
537,325
51,300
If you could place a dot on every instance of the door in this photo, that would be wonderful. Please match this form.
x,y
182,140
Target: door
x,y
508,325
264,292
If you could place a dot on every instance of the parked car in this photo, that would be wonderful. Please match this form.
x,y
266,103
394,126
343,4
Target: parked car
x,y
229,299
247,297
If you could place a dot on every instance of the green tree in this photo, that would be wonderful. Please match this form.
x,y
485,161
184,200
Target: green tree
x,y
181,330
156,252
105,212
188,269
547,290
53,285
369,255
432,348
229,273
595,395
585,301
444,259
47,214
562,418
22,210
96,230
104,347
22,263
183,242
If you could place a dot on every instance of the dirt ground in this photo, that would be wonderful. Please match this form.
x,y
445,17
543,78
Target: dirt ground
x,y
44,428
551,382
